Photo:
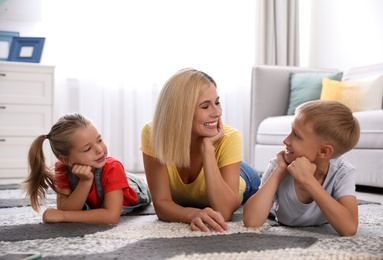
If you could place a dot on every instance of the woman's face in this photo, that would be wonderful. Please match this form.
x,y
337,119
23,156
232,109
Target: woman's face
x,y
88,147
207,113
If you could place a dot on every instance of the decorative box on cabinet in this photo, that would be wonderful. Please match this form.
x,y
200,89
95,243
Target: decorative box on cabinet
x,y
26,111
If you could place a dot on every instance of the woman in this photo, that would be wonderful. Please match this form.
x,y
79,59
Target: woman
x,y
192,161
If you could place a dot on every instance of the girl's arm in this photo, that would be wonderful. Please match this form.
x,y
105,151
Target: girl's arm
x,y
167,210
257,207
74,200
110,214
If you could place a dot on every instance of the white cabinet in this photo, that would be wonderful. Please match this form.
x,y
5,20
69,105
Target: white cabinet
x,y
26,111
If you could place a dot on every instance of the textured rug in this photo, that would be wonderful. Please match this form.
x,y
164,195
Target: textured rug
x,y
142,236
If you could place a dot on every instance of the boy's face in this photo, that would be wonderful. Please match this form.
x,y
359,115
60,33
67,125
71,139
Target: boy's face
x,y
301,142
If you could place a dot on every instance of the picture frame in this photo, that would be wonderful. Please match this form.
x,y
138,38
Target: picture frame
x,y
26,49
6,38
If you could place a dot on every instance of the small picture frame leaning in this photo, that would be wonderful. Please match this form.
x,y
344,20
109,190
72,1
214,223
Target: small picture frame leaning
x,y
6,39
26,49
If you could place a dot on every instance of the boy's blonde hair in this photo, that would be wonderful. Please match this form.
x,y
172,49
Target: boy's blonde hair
x,y
332,122
173,118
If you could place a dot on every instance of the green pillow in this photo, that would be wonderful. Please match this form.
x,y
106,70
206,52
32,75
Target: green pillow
x,y
307,86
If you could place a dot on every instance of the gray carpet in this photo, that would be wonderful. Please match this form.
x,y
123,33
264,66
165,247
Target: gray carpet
x,y
142,236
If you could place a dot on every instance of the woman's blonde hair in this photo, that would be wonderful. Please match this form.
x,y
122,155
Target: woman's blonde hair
x,y
173,117
41,177
332,122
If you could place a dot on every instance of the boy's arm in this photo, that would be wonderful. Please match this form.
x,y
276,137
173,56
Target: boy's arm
x,y
257,207
342,214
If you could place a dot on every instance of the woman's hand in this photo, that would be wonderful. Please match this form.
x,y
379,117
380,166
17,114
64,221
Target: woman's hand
x,y
206,218
219,135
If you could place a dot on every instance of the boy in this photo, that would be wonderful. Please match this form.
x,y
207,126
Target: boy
x,y
310,182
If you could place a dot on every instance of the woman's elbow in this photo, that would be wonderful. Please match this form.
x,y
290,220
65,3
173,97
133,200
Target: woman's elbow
x,y
228,216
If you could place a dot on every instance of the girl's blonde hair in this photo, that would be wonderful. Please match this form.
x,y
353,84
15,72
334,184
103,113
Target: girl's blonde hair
x,y
41,177
173,117
332,122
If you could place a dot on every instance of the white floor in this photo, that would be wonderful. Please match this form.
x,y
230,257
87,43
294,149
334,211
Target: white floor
x,y
373,195
370,196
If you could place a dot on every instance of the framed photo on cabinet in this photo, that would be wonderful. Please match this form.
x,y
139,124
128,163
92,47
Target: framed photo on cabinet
x,y
26,49
6,39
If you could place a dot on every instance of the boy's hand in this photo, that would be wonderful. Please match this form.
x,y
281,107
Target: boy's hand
x,y
281,160
300,168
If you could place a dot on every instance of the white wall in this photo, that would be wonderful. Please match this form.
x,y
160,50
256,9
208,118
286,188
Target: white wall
x,y
342,33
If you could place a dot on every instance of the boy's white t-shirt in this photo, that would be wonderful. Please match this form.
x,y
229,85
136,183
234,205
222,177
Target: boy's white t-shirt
x,y
288,210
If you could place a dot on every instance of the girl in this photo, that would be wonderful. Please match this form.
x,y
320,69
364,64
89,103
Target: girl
x,y
193,162
84,178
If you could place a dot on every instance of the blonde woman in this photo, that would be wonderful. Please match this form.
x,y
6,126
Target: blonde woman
x,y
193,162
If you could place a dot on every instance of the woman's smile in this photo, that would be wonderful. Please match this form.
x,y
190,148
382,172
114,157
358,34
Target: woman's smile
x,y
211,124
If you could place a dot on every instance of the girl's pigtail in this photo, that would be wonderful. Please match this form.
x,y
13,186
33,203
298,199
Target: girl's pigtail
x,y
40,177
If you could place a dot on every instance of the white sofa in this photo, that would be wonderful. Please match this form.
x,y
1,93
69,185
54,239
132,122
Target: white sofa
x,y
270,93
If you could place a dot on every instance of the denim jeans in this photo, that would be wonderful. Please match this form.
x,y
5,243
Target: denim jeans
x,y
252,179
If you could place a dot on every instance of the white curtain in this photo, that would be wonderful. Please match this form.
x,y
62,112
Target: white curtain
x,y
277,32
113,57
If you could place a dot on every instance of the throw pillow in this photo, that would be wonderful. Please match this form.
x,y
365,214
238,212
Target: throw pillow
x,y
358,95
307,86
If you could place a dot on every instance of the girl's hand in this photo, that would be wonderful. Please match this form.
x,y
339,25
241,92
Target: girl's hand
x,y
52,215
206,218
83,172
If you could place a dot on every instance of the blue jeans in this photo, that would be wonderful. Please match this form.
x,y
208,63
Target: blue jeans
x,y
252,179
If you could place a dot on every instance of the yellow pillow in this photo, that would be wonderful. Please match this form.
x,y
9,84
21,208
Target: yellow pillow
x,y
358,95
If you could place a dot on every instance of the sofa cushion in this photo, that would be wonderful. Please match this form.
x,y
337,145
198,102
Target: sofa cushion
x,y
307,86
273,130
371,129
358,95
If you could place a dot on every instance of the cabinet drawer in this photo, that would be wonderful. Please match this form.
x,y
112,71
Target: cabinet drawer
x,y
14,156
24,120
25,88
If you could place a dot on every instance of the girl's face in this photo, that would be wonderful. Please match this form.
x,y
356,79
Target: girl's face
x,y
301,142
89,148
207,113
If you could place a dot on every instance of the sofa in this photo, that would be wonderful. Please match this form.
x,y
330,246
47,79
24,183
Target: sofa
x,y
272,97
